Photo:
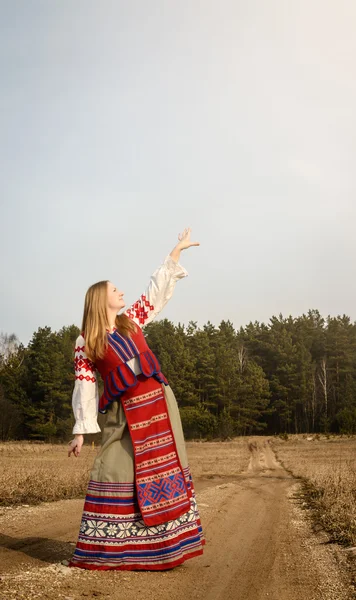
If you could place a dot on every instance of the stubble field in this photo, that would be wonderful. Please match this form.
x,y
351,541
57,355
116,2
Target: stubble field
x,y
279,517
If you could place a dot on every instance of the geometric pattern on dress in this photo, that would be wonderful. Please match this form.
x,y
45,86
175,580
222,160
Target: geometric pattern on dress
x,y
110,542
86,377
111,539
140,310
79,349
156,491
104,528
83,364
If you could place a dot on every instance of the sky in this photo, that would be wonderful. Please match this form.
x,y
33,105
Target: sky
x,y
122,123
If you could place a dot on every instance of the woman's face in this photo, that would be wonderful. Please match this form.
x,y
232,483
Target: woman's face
x,y
115,297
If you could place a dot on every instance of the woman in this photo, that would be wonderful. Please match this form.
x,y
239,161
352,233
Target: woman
x,y
140,510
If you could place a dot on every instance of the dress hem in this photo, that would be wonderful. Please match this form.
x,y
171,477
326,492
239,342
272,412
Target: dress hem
x,y
138,567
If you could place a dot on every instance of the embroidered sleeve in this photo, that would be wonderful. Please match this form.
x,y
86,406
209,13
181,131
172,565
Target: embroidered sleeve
x,y
158,292
85,399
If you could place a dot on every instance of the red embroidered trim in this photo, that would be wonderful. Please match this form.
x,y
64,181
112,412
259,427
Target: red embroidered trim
x,y
86,377
83,363
138,311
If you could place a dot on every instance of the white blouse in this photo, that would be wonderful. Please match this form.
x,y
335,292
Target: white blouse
x,y
85,398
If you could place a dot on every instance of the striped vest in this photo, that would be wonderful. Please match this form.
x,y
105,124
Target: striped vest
x,y
117,375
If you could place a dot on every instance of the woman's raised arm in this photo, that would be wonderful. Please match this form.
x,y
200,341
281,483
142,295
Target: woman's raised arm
x,y
162,283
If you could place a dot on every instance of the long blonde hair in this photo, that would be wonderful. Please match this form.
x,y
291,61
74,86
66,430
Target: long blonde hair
x,y
95,321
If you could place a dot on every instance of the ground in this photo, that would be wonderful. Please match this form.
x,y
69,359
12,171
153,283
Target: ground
x,y
259,544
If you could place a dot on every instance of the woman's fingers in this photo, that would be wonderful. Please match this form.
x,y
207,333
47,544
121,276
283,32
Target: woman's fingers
x,y
73,448
184,233
75,451
184,238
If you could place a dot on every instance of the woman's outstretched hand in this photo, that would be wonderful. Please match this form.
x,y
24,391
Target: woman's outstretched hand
x,y
75,445
184,239
183,244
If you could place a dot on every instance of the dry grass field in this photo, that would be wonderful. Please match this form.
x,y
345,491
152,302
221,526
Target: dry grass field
x,y
260,542
31,472
328,466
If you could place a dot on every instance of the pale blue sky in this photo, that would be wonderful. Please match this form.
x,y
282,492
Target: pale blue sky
x,y
123,122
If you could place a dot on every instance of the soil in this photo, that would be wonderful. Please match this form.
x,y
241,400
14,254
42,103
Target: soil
x,y
260,543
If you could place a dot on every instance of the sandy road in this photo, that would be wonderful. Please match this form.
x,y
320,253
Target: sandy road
x,y
259,545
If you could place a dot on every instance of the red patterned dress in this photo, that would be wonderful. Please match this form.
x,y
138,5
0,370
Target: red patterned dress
x,y
140,510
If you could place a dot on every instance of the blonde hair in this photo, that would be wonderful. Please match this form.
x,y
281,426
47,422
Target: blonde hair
x,y
95,321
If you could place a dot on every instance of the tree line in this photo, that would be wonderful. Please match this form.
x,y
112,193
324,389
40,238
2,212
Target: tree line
x,y
292,375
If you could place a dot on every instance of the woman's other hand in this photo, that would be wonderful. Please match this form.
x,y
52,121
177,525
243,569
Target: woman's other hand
x,y
76,445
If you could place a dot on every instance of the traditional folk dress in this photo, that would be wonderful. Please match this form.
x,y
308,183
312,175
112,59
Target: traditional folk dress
x,y
140,510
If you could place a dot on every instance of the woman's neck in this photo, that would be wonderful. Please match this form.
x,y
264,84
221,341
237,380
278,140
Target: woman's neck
x,y
111,317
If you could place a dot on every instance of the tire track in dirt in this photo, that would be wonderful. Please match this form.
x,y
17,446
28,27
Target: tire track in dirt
x,y
259,545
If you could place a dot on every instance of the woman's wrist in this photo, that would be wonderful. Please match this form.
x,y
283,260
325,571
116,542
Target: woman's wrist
x,y
175,254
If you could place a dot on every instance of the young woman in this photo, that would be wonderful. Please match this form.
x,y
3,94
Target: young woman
x,y
140,510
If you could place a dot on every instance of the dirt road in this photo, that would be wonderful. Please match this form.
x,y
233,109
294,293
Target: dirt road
x,y
259,545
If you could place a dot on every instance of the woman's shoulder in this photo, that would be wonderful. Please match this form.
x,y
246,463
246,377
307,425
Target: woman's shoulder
x,y
80,342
